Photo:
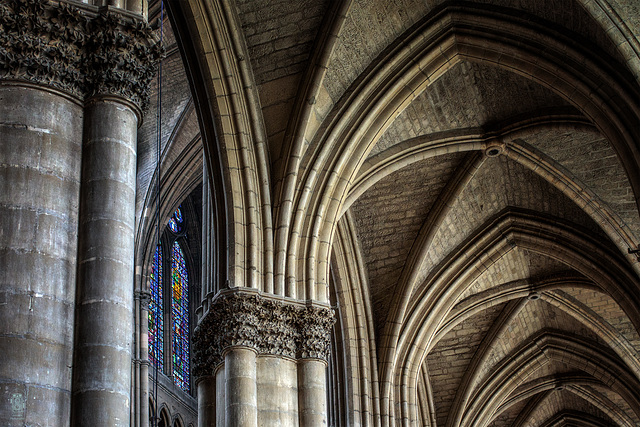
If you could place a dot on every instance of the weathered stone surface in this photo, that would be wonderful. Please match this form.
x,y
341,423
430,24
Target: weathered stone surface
x,y
268,326
39,187
65,47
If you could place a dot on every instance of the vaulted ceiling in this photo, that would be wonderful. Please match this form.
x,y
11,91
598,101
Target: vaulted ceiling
x,y
481,251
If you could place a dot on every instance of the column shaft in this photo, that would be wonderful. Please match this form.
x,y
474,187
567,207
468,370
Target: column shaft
x,y
102,374
277,391
40,151
241,393
220,398
312,386
207,401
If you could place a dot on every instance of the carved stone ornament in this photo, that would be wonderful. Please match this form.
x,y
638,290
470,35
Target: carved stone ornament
x,y
121,57
60,46
42,44
268,326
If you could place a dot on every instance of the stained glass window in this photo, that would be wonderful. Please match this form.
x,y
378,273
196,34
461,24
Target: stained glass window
x,y
175,223
156,314
170,291
180,318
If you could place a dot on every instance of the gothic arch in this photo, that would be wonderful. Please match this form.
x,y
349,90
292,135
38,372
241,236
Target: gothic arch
x,y
424,55
233,134
415,332
549,346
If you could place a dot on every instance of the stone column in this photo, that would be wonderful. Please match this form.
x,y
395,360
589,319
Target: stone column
x,y
314,350
277,391
39,185
241,404
121,62
104,330
207,401
40,149
313,392
250,342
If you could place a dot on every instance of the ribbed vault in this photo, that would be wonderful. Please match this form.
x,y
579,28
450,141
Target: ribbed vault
x,y
459,178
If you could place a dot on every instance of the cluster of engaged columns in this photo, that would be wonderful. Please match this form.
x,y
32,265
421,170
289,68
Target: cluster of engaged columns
x,y
69,110
262,361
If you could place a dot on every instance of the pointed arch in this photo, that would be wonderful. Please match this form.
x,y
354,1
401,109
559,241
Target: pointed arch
x,y
588,357
352,295
499,38
429,307
234,137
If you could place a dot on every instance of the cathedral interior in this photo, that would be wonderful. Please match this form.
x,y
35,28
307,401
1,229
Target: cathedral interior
x,y
320,213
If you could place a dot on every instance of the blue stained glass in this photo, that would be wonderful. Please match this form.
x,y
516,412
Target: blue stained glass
x,y
180,318
156,314
175,223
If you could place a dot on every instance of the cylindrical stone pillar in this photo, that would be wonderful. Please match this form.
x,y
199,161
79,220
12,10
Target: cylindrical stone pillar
x,y
312,392
220,398
102,363
40,149
207,401
142,367
240,388
277,391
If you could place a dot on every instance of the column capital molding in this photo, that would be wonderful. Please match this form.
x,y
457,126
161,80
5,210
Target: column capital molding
x,y
84,53
268,325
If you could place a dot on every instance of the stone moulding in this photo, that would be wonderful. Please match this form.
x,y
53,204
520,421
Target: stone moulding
x,y
82,53
270,327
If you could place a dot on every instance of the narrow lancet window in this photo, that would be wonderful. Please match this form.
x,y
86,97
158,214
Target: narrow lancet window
x,y
156,312
180,318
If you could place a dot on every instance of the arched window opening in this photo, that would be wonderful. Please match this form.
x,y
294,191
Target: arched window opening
x,y
180,317
171,290
175,223
164,419
156,312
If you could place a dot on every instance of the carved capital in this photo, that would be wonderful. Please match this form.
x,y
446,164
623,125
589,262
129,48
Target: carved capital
x,y
42,44
76,51
268,326
315,325
121,55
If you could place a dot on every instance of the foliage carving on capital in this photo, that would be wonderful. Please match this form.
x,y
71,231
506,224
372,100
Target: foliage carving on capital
x,y
41,44
315,333
121,55
268,326
57,45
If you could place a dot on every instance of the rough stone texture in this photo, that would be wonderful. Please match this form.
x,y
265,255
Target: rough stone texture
x,y
280,37
608,309
265,325
40,140
594,162
179,124
535,316
485,93
388,219
371,27
507,417
379,346
559,400
449,359
62,46
312,389
476,205
615,399
277,384
470,95
102,379
241,406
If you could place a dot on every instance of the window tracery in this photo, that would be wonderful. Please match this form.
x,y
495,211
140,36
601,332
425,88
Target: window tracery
x,y
169,322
